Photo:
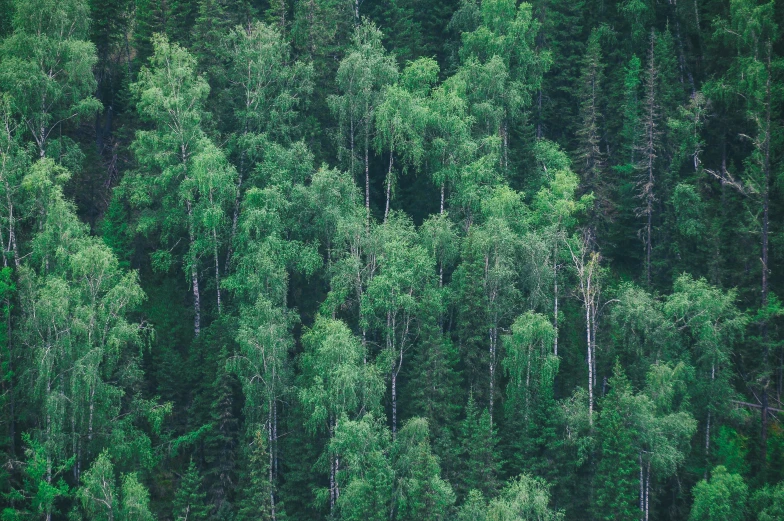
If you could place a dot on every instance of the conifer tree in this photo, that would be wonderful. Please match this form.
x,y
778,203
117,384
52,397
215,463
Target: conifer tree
x,y
190,501
257,494
480,466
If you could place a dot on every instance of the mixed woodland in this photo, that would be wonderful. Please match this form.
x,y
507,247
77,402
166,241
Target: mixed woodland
x,y
405,260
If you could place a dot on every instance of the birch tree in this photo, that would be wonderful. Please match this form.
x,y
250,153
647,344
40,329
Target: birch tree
x,y
361,78
46,67
182,187
78,342
337,385
586,264
392,303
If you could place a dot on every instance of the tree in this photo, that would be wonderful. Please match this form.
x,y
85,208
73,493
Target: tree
x,y
449,146
420,492
366,477
337,383
502,68
268,93
257,500
587,266
263,365
555,210
395,296
767,502
649,149
79,344
479,467
524,497
528,363
185,182
592,159
617,472
400,121
46,67
714,325
361,78
101,500
43,484
190,501
723,497
750,76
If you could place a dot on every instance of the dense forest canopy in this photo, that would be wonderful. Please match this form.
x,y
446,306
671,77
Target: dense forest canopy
x,y
391,260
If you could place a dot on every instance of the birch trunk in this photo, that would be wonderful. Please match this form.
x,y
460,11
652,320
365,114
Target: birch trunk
x,y
217,267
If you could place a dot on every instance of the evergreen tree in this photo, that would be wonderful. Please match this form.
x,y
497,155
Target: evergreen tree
x,y
257,493
617,484
190,501
480,465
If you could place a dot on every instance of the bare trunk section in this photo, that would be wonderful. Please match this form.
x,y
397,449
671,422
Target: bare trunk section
x,y
647,490
270,442
194,275
765,230
642,488
586,263
389,176
367,181
217,267
651,134
590,358
555,307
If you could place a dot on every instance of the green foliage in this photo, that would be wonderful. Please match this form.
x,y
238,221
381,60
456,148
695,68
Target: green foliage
x,y
255,502
329,259
190,501
46,67
480,465
723,497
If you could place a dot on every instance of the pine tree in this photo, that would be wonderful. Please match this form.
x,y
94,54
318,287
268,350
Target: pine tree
x,y
190,501
591,156
616,476
256,489
478,448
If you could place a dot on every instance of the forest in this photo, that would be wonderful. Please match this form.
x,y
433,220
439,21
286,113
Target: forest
x,y
402,260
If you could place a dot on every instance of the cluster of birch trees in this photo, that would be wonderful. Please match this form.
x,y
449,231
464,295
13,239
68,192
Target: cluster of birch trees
x,y
403,260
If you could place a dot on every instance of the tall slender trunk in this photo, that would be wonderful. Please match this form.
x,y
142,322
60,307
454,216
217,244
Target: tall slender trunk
x,y
217,267
590,355
555,307
191,251
367,181
642,488
389,179
332,472
492,374
765,227
650,153
270,442
194,274
647,490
